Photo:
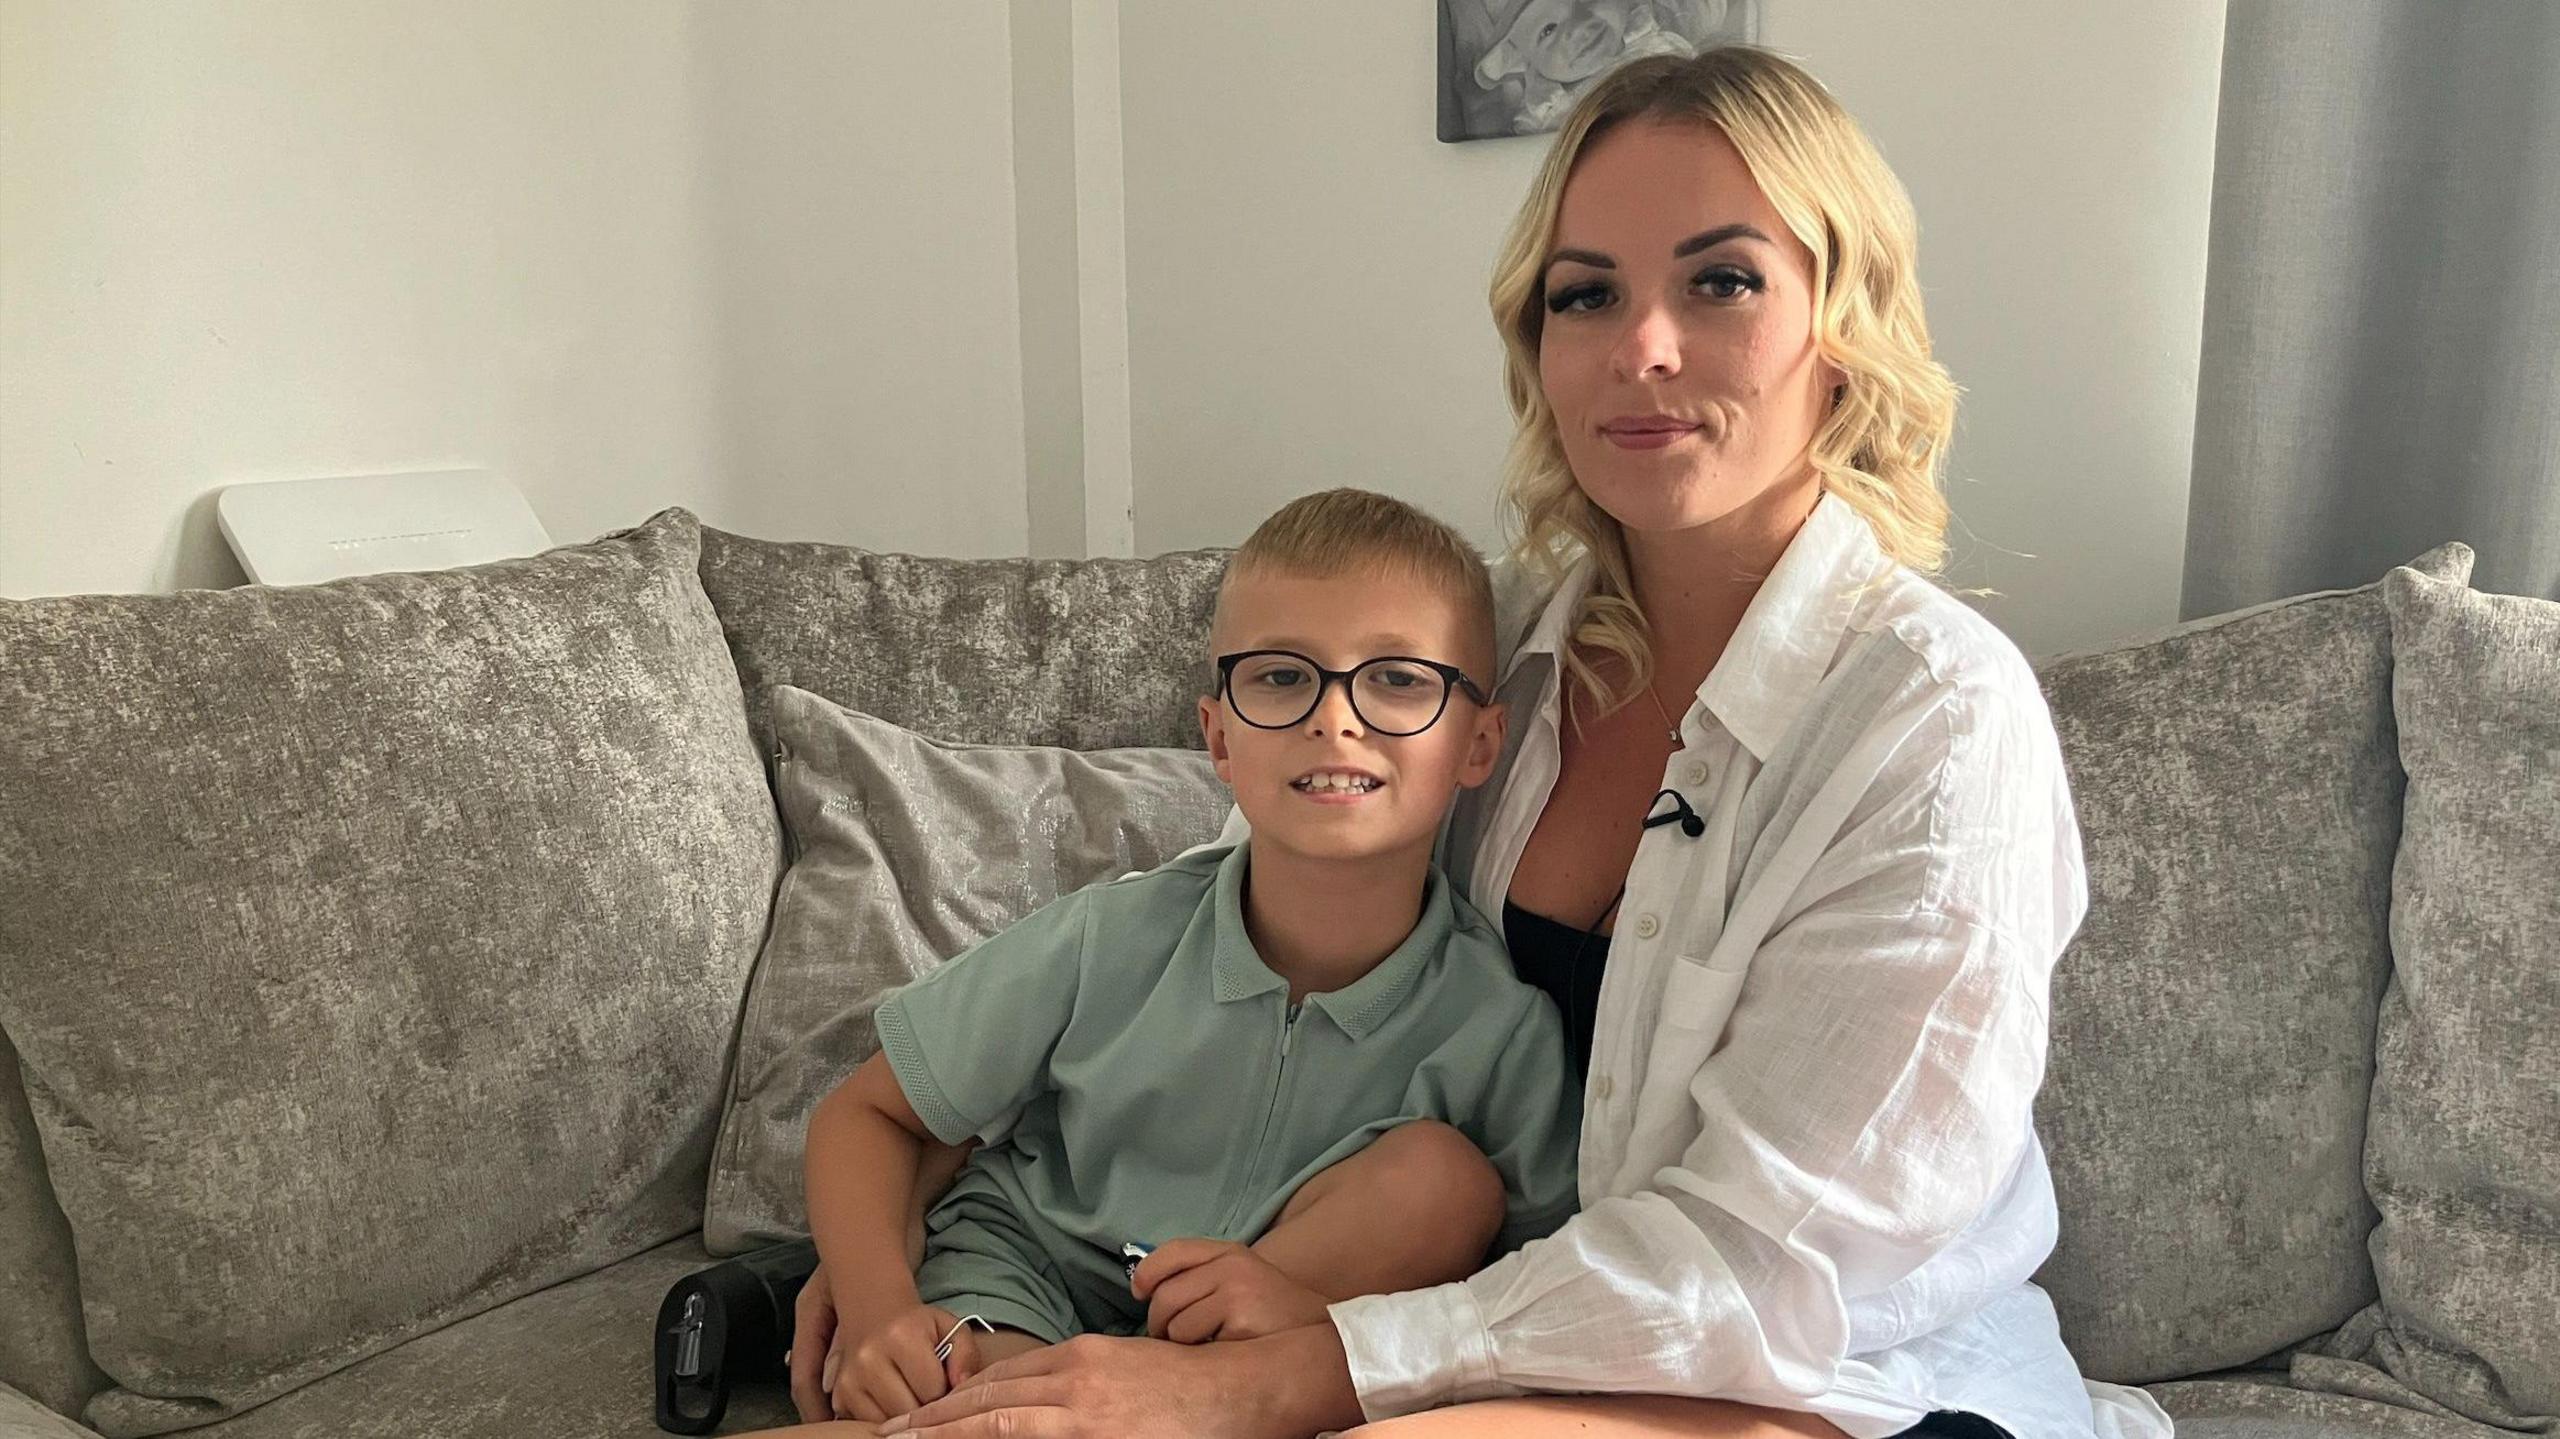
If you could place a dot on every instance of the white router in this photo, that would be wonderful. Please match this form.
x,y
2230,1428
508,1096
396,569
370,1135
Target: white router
x,y
301,532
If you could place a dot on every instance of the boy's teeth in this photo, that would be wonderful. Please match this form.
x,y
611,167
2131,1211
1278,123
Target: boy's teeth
x,y
1337,782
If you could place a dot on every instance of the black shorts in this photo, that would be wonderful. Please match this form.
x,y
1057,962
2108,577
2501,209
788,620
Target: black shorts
x,y
1956,1424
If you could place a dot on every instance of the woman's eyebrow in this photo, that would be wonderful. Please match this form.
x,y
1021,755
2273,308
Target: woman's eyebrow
x,y
1703,240
1706,239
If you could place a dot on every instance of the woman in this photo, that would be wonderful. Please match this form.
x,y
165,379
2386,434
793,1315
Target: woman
x,y
1802,809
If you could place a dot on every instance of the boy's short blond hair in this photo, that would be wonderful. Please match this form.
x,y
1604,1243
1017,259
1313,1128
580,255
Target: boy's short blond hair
x,y
1361,532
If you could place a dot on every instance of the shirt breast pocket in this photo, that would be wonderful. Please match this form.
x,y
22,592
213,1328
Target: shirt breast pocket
x,y
1700,994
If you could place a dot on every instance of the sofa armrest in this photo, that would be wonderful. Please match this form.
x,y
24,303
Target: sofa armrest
x,y
23,1418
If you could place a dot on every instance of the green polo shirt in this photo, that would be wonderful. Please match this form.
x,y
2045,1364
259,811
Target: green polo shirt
x,y
1159,1085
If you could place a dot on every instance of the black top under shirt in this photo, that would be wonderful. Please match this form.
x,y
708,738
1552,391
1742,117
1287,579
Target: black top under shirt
x,y
1565,962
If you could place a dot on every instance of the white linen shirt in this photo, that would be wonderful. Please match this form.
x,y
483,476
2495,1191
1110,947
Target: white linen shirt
x,y
1809,1174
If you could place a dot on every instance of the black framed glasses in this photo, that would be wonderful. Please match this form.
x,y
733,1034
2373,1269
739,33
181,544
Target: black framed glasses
x,y
1395,695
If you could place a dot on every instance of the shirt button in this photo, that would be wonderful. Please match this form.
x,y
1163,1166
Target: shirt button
x,y
1647,926
1603,1086
1695,772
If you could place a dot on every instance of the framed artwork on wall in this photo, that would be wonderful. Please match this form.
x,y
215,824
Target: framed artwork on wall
x,y
1514,67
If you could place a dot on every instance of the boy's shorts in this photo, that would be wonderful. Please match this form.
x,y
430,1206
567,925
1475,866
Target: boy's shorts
x,y
984,1256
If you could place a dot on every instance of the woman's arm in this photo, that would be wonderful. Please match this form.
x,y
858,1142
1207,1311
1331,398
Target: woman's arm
x,y
1282,1386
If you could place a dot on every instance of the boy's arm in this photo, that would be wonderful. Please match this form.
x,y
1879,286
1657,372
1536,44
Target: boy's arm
x,y
964,1045
865,1154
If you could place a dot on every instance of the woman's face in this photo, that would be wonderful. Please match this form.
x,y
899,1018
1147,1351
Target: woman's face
x,y
1678,349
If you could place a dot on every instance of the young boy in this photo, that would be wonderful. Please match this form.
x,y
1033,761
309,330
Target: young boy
x,y
1299,1068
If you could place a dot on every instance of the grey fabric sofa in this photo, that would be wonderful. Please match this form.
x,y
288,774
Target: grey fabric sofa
x,y
371,957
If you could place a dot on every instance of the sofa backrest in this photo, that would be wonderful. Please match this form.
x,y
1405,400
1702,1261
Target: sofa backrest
x,y
1085,654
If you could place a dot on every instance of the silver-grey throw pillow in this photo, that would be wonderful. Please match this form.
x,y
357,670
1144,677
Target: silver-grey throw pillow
x,y
2238,790
2463,1153
371,949
1087,654
906,851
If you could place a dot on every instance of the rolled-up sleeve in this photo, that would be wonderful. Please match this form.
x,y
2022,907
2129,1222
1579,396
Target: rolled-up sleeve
x,y
1870,1093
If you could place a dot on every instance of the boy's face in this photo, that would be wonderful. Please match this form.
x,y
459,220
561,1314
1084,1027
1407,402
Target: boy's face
x,y
1340,622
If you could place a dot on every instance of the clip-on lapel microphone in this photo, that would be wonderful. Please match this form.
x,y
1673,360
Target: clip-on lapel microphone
x,y
1685,817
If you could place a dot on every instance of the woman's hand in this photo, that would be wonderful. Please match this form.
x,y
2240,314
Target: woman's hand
x,y
1287,1386
1202,1289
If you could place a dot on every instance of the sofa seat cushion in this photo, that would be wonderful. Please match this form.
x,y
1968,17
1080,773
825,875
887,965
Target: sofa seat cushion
x,y
2238,790
571,1362
2263,1406
24,1418
1086,654
371,949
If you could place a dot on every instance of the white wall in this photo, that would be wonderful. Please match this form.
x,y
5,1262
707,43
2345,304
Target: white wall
x,y
804,267
2061,160
857,184
1307,267
757,261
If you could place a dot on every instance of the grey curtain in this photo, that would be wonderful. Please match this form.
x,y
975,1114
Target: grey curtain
x,y
2381,364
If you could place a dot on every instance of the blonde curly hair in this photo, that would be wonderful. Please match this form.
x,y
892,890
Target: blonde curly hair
x,y
1884,441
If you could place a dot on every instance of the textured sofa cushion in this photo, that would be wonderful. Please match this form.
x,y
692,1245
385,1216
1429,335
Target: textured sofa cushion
x,y
44,1350
572,1362
905,852
21,1417
371,949
2463,1155
2239,795
1088,654
2262,1406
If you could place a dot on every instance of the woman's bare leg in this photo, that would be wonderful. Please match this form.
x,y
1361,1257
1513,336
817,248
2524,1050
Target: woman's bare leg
x,y
1418,1207
1624,1416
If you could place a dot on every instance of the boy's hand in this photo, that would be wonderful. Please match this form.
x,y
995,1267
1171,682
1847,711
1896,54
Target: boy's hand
x,y
883,1366
1203,1289
813,1345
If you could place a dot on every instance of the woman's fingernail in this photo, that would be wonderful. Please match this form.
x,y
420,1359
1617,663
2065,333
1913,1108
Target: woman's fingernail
x,y
894,1426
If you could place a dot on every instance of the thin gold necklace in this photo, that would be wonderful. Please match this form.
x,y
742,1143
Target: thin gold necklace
x,y
1670,727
